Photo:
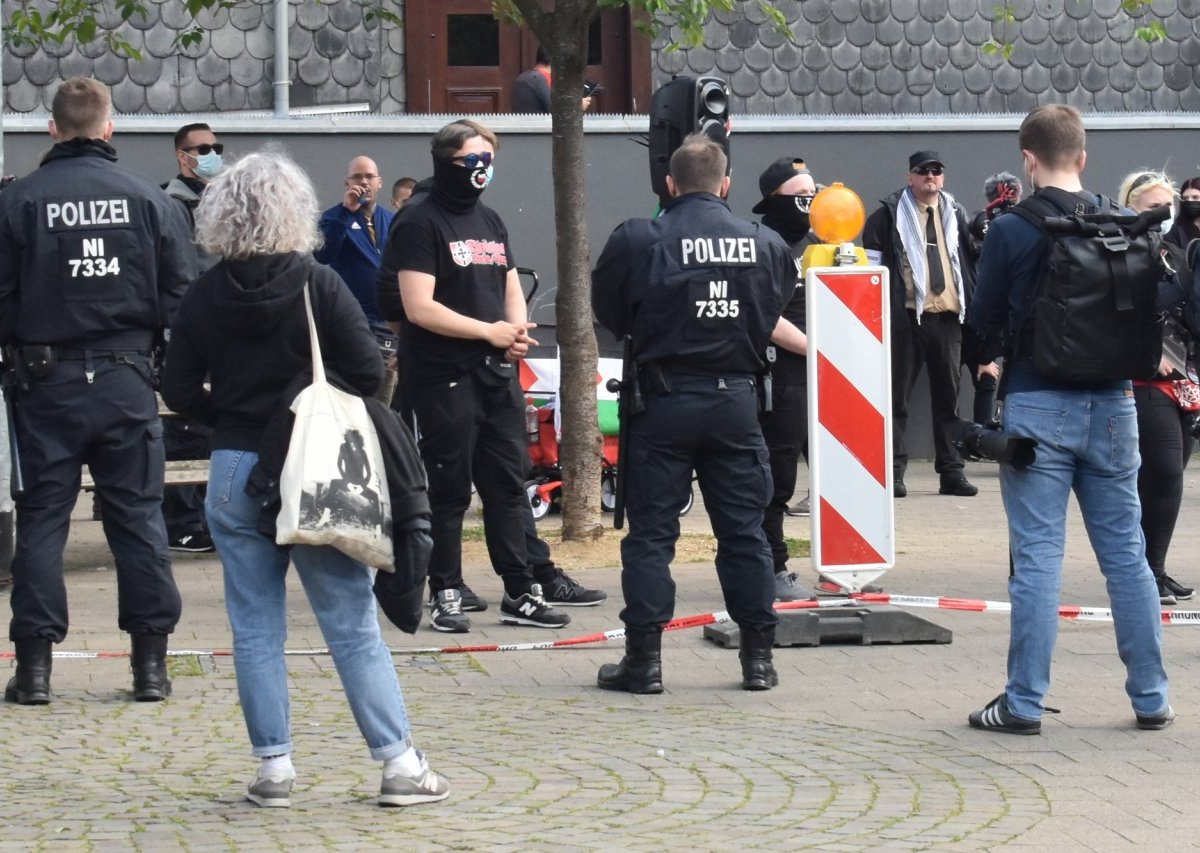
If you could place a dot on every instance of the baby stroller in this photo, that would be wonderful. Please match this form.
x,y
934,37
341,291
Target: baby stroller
x,y
544,487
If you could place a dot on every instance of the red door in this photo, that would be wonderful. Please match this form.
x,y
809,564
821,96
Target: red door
x,y
460,59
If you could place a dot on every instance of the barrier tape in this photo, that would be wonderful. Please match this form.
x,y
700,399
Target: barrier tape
x,y
972,605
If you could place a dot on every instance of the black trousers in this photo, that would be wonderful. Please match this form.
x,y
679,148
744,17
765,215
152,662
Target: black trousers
x,y
934,344
711,426
785,429
112,426
473,432
1165,448
183,506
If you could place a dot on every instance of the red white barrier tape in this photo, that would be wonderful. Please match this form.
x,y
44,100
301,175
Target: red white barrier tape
x,y
977,605
974,605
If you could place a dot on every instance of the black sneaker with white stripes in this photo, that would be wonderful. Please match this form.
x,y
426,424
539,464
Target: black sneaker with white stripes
x,y
995,717
531,609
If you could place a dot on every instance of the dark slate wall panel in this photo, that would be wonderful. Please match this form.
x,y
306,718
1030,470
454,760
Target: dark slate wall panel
x,y
336,55
1082,52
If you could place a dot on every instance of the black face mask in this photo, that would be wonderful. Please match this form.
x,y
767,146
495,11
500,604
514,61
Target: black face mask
x,y
458,187
789,215
1189,209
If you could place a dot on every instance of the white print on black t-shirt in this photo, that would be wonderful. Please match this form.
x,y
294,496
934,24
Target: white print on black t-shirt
x,y
467,252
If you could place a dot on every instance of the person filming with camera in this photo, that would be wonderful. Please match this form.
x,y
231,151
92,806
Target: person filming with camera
x,y
1082,419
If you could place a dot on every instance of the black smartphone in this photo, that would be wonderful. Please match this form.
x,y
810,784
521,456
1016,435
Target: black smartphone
x,y
591,87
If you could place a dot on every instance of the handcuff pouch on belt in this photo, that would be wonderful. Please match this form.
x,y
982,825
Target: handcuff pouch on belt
x,y
35,361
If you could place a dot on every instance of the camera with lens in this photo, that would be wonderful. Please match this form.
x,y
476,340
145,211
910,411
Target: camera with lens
x,y
977,442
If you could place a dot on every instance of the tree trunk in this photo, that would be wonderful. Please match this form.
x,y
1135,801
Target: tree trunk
x,y
564,34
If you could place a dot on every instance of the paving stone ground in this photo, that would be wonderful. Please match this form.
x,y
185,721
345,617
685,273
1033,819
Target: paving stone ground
x,y
859,748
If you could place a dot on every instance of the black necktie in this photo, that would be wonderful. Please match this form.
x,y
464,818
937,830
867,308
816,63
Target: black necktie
x,y
937,276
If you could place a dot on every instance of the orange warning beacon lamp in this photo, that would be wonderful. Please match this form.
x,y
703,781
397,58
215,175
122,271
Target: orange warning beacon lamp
x,y
836,216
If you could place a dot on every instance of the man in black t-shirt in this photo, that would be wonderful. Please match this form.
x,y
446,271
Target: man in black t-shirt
x,y
465,327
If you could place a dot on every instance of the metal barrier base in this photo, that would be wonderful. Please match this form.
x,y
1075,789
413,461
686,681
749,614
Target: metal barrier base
x,y
864,626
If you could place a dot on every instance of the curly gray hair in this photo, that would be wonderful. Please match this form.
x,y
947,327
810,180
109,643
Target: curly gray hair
x,y
264,204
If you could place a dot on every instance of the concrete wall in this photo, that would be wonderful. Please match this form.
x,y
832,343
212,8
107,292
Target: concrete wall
x,y
869,156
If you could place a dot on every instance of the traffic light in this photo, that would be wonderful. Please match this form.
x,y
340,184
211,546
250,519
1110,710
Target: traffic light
x,y
681,107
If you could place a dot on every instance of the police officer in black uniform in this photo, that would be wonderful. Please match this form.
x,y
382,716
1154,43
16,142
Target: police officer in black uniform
x,y
93,261
700,292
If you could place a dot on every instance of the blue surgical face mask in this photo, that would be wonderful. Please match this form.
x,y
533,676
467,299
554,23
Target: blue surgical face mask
x,y
208,165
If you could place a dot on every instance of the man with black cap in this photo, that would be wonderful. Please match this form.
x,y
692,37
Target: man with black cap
x,y
787,189
920,233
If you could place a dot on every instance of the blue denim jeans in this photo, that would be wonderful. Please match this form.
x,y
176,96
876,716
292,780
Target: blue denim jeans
x,y
1087,442
339,590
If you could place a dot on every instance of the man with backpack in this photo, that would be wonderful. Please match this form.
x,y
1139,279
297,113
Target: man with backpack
x,y
1068,258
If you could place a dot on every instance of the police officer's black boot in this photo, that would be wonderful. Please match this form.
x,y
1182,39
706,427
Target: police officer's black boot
x,y
31,684
758,673
149,661
640,670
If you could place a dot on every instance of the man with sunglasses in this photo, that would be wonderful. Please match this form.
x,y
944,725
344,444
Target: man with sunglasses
x,y
199,157
920,233
787,189
198,154
464,330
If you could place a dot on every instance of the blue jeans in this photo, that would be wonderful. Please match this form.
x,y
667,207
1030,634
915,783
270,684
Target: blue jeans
x,y
339,590
1087,442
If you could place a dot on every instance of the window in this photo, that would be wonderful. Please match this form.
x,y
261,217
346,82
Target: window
x,y
472,40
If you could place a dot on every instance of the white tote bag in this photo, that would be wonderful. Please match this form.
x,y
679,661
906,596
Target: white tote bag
x,y
333,486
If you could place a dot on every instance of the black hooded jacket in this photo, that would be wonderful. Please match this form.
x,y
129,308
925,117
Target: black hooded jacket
x,y
243,324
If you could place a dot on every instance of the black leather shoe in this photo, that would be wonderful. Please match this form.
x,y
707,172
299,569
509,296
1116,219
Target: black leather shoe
x,y
899,490
958,485
758,671
149,662
640,670
31,684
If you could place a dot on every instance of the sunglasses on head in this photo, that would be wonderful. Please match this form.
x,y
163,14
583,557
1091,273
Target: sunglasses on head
x,y
928,170
472,161
206,148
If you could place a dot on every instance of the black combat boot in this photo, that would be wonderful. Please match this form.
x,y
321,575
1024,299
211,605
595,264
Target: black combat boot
x,y
640,670
149,662
31,684
758,673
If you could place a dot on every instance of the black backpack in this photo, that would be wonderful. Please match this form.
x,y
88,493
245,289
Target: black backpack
x,y
1095,316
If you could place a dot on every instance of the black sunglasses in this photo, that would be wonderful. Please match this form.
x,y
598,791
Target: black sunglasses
x,y
206,148
472,161
928,170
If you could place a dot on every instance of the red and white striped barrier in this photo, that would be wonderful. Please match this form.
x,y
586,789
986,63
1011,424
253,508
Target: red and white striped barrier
x,y
850,423
972,605
977,605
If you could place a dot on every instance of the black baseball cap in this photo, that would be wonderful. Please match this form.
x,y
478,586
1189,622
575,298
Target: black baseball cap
x,y
775,176
924,158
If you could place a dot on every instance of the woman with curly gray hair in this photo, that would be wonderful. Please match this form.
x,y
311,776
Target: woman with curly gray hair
x,y
243,325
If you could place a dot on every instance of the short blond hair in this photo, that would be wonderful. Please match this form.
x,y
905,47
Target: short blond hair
x,y
81,107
